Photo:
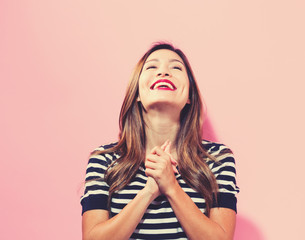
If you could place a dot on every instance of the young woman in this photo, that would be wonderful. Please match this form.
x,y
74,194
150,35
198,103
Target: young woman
x,y
160,180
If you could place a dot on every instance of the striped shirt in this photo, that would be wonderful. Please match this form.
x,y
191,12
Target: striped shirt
x,y
159,220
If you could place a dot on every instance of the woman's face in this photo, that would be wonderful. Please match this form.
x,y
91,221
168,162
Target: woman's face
x,y
163,81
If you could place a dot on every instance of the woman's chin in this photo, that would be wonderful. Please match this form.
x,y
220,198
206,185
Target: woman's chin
x,y
164,105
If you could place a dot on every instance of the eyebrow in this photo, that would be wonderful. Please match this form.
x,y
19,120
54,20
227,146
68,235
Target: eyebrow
x,y
171,60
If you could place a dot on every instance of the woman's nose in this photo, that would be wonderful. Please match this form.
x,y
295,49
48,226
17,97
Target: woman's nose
x,y
163,72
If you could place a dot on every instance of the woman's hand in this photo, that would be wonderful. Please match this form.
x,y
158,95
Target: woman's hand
x,y
166,148
152,187
159,166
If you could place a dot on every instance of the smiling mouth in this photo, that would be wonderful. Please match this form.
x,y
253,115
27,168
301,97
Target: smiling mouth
x,y
163,84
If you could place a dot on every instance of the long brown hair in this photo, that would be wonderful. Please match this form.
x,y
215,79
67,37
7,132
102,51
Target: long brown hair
x,y
132,141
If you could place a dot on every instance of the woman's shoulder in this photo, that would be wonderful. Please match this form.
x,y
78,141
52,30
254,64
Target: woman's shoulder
x,y
105,147
215,147
224,170
219,151
104,154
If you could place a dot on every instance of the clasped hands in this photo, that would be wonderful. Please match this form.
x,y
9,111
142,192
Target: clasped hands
x,y
160,168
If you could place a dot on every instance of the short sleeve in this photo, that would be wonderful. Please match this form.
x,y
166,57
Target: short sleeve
x,y
96,189
225,173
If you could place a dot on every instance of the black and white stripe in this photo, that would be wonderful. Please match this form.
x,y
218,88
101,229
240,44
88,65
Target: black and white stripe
x,y
159,220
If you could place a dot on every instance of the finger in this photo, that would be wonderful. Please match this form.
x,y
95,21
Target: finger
x,y
173,161
158,151
149,173
153,151
150,165
152,157
175,169
167,148
164,145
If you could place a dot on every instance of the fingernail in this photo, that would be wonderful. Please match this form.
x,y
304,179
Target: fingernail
x,y
173,160
175,170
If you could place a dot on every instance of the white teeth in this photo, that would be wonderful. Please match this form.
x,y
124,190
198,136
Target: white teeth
x,y
164,84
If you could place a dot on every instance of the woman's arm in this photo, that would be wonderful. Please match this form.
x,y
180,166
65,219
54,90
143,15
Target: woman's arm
x,y
96,224
220,224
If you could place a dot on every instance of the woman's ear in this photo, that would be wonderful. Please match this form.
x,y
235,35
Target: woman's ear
x,y
188,101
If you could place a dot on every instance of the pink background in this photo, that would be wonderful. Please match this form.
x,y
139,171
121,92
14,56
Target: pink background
x,y
64,67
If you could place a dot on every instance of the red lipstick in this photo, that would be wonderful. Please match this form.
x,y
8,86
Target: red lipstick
x,y
168,85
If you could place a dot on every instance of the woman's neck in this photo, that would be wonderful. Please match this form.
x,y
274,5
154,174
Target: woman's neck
x,y
159,127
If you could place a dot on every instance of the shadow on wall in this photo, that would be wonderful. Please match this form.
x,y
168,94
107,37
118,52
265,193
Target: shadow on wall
x,y
208,131
245,228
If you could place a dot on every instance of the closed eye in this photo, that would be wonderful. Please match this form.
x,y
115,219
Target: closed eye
x,y
177,67
151,67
